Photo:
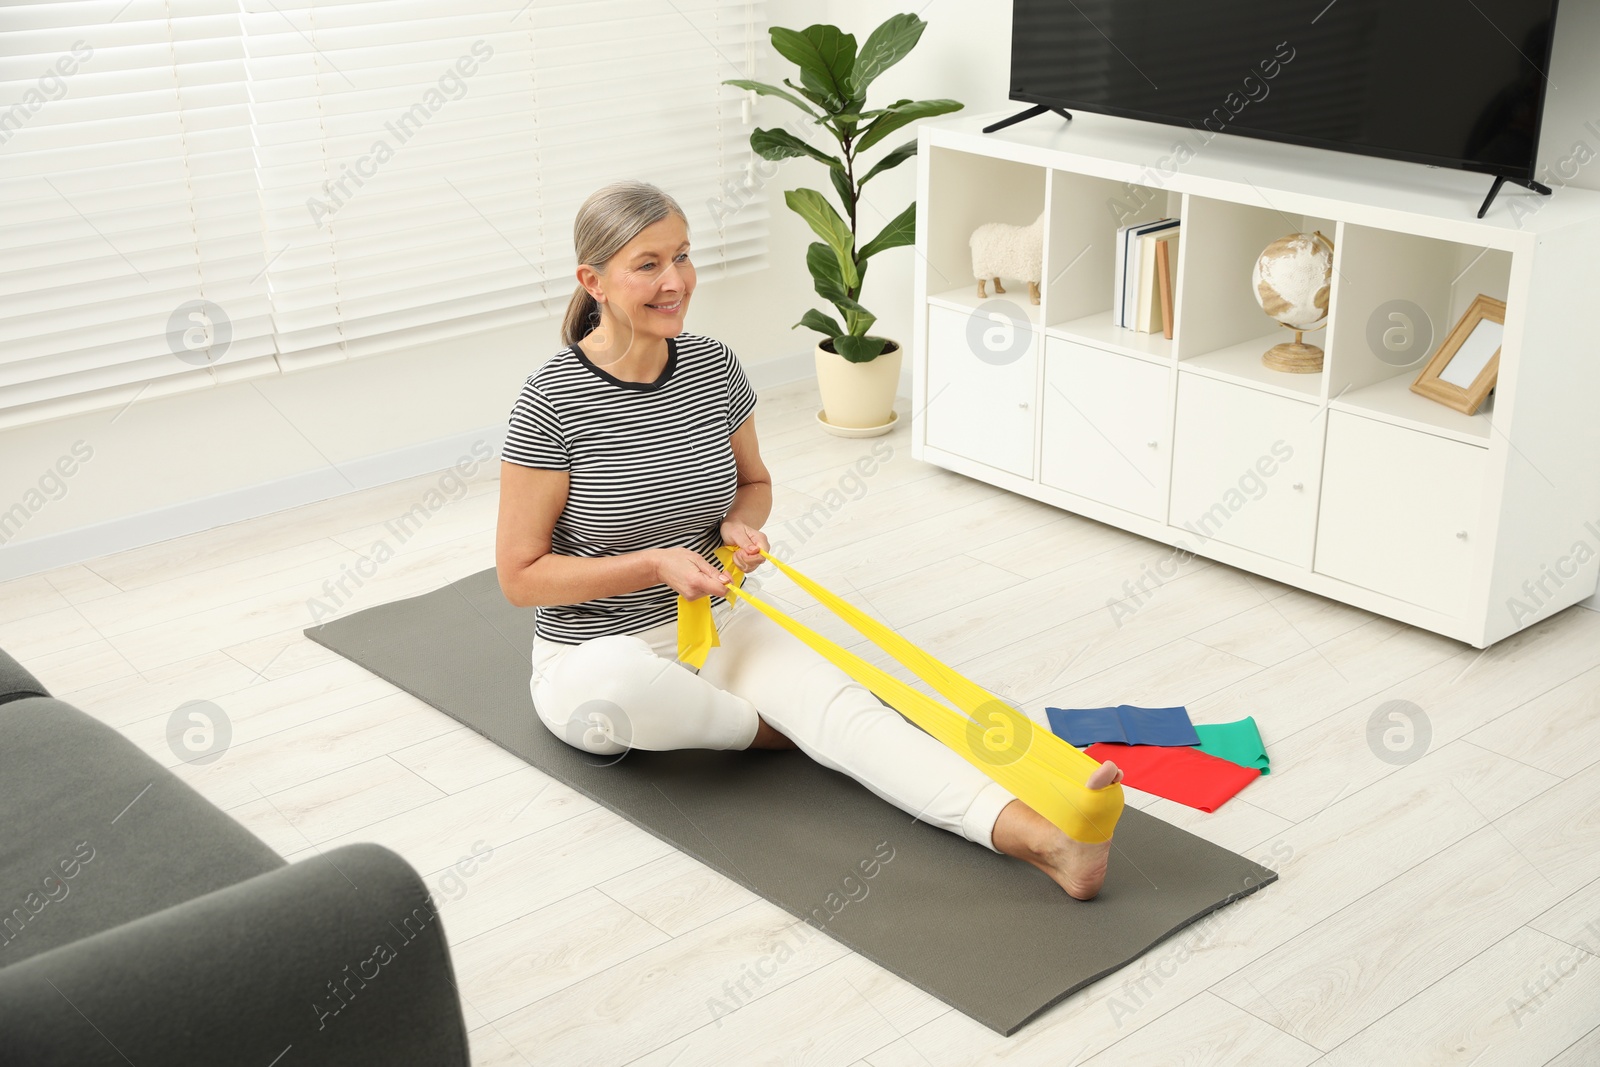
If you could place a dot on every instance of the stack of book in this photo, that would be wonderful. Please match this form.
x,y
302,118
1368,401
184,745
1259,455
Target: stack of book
x,y
1146,257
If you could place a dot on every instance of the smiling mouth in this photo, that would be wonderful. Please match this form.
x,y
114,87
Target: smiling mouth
x,y
666,307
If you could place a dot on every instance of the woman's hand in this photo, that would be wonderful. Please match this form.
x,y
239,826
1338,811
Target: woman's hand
x,y
749,540
690,574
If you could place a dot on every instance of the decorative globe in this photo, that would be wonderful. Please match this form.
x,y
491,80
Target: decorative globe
x,y
1291,281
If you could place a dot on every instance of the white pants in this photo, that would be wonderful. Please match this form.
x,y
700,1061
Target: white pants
x,y
609,694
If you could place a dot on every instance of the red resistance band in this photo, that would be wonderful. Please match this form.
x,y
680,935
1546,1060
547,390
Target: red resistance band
x,y
1178,773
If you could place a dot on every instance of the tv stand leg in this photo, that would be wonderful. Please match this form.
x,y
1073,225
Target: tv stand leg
x,y
1037,109
1501,179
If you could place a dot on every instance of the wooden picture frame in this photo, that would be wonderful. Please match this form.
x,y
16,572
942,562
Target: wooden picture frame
x,y
1465,367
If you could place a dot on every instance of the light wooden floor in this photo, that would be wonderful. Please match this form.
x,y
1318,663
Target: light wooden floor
x,y
1426,913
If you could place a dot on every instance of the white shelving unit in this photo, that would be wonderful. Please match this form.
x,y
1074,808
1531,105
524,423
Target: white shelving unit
x,y
1344,482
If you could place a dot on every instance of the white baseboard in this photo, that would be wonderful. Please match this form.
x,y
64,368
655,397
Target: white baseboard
x,y
191,516
235,505
63,549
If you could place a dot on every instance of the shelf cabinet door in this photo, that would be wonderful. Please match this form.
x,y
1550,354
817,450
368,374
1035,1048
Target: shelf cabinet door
x,y
1107,428
1399,511
981,407
1245,468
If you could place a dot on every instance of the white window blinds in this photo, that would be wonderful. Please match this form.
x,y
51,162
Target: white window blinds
x,y
194,191
126,196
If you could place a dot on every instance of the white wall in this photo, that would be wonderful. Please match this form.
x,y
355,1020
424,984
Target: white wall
x,y
1569,140
965,55
169,465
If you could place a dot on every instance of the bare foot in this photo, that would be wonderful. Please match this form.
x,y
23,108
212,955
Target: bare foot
x,y
1076,866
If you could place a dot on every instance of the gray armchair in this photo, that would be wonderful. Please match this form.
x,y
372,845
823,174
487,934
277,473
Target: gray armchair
x,y
139,923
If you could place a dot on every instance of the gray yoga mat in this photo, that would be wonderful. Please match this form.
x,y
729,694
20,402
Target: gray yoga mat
x,y
987,934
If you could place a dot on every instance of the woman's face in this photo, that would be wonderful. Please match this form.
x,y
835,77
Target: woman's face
x,y
652,272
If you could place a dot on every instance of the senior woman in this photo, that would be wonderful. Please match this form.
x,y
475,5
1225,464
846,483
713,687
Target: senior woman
x,y
631,457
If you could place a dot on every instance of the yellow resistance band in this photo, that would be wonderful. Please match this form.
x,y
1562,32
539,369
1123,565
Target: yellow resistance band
x,y
1032,763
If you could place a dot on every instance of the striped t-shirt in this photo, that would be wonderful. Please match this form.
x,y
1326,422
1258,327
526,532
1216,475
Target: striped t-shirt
x,y
650,466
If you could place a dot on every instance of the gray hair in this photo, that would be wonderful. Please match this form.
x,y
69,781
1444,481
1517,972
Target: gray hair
x,y
611,217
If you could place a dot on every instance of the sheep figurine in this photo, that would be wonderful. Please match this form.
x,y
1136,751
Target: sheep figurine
x,y
1000,249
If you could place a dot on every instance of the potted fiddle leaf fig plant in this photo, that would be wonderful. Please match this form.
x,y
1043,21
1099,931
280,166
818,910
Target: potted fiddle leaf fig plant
x,y
857,372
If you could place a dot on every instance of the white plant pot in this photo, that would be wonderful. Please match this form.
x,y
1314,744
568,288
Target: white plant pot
x,y
858,398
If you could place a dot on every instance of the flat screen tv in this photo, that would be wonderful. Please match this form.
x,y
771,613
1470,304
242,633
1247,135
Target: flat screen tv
x,y
1453,83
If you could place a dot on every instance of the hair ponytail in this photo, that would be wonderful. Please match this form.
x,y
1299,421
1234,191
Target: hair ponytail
x,y
583,315
611,217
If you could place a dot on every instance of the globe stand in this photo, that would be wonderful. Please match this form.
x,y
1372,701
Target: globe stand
x,y
1299,256
1293,357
